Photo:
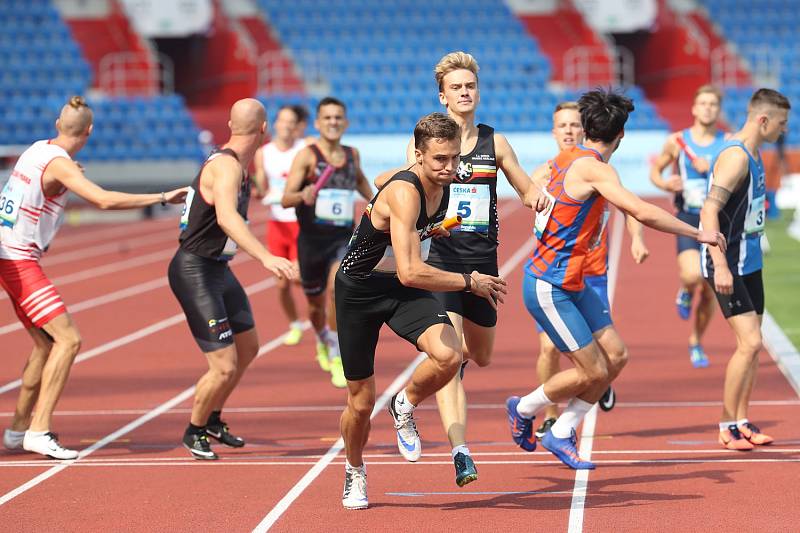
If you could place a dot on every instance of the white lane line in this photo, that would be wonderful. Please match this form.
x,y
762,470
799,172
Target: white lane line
x,y
578,504
782,351
140,334
334,450
124,430
316,408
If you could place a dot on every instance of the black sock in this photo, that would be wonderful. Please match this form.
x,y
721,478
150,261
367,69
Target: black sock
x,y
215,419
191,429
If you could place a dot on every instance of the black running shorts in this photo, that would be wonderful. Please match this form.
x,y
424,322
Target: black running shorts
x,y
363,306
748,295
316,255
474,308
212,299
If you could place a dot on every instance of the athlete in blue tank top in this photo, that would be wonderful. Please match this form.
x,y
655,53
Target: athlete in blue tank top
x,y
735,206
689,153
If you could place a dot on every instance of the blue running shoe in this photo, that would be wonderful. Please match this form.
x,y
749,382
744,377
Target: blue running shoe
x,y
565,450
465,469
684,303
698,356
521,427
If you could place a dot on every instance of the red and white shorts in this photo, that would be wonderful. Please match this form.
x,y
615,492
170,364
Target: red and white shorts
x,y
35,299
282,238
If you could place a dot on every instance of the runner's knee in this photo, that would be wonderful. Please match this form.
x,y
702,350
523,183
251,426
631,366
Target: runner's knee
x,y
481,356
593,374
447,359
361,405
750,344
69,339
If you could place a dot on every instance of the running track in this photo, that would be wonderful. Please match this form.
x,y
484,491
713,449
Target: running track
x,y
126,405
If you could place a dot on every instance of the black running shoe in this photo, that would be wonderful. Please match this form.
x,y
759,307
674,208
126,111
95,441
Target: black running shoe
x,y
465,469
220,433
199,447
608,400
544,428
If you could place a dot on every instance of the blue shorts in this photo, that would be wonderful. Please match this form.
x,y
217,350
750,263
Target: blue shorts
x,y
568,317
600,286
684,242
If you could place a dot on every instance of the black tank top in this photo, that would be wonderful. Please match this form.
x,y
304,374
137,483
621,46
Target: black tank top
x,y
332,213
473,195
370,250
200,233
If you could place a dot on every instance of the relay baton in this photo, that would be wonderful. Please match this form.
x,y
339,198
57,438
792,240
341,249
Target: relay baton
x,y
449,223
323,178
686,149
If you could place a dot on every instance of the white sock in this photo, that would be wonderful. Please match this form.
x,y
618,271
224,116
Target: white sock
x,y
35,434
742,422
573,414
724,425
348,466
296,324
461,448
322,335
532,403
402,405
333,344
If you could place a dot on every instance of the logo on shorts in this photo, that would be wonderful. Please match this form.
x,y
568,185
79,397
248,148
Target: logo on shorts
x,y
225,334
220,328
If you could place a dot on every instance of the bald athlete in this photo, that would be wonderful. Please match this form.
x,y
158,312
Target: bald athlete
x,y
213,227
31,212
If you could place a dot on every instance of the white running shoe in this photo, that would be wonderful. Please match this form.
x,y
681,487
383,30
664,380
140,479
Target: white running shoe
x,y
355,488
47,444
12,440
407,435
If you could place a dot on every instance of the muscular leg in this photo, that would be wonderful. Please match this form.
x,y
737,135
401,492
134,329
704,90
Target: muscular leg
x,y
66,343
246,350
613,350
703,313
443,347
451,399
589,375
747,389
316,310
741,367
691,279
31,380
222,370
354,422
547,366
286,299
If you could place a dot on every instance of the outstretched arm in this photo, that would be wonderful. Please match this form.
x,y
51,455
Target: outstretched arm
x,y
530,193
639,250
69,174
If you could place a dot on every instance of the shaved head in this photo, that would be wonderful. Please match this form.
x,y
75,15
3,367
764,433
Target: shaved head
x,y
248,117
75,118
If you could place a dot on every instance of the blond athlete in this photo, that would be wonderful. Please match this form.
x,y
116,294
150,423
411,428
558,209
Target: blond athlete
x,y
31,212
691,151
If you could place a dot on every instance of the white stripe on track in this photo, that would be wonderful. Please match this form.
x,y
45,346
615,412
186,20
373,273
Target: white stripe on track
x,y
124,430
590,420
283,505
783,352
141,333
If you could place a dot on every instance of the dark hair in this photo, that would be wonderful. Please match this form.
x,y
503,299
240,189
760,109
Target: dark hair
x,y
603,114
301,111
330,100
435,126
289,108
769,97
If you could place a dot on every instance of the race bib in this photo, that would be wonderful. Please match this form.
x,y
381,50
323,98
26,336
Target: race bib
x,y
543,217
10,202
187,205
694,193
472,203
334,207
754,223
599,237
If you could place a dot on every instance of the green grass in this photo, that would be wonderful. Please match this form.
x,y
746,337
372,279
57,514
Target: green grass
x,y
782,277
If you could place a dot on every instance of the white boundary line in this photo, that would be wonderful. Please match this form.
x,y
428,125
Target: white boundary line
x,y
124,430
295,492
782,351
140,334
590,420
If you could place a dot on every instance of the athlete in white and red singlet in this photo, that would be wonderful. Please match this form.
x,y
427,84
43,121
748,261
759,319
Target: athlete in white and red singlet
x,y
31,211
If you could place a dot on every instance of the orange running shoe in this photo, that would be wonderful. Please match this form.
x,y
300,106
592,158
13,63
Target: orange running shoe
x,y
732,439
753,434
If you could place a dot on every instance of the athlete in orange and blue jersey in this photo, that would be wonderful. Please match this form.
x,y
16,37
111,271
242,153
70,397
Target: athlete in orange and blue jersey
x,y
555,293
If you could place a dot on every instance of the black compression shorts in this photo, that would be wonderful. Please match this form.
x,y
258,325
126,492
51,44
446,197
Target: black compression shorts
x,y
474,308
748,295
316,255
363,306
212,299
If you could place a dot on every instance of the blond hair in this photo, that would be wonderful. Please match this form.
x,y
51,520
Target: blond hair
x,y
75,117
452,62
709,89
566,105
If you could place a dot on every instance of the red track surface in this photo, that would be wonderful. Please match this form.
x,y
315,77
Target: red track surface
x,y
659,467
